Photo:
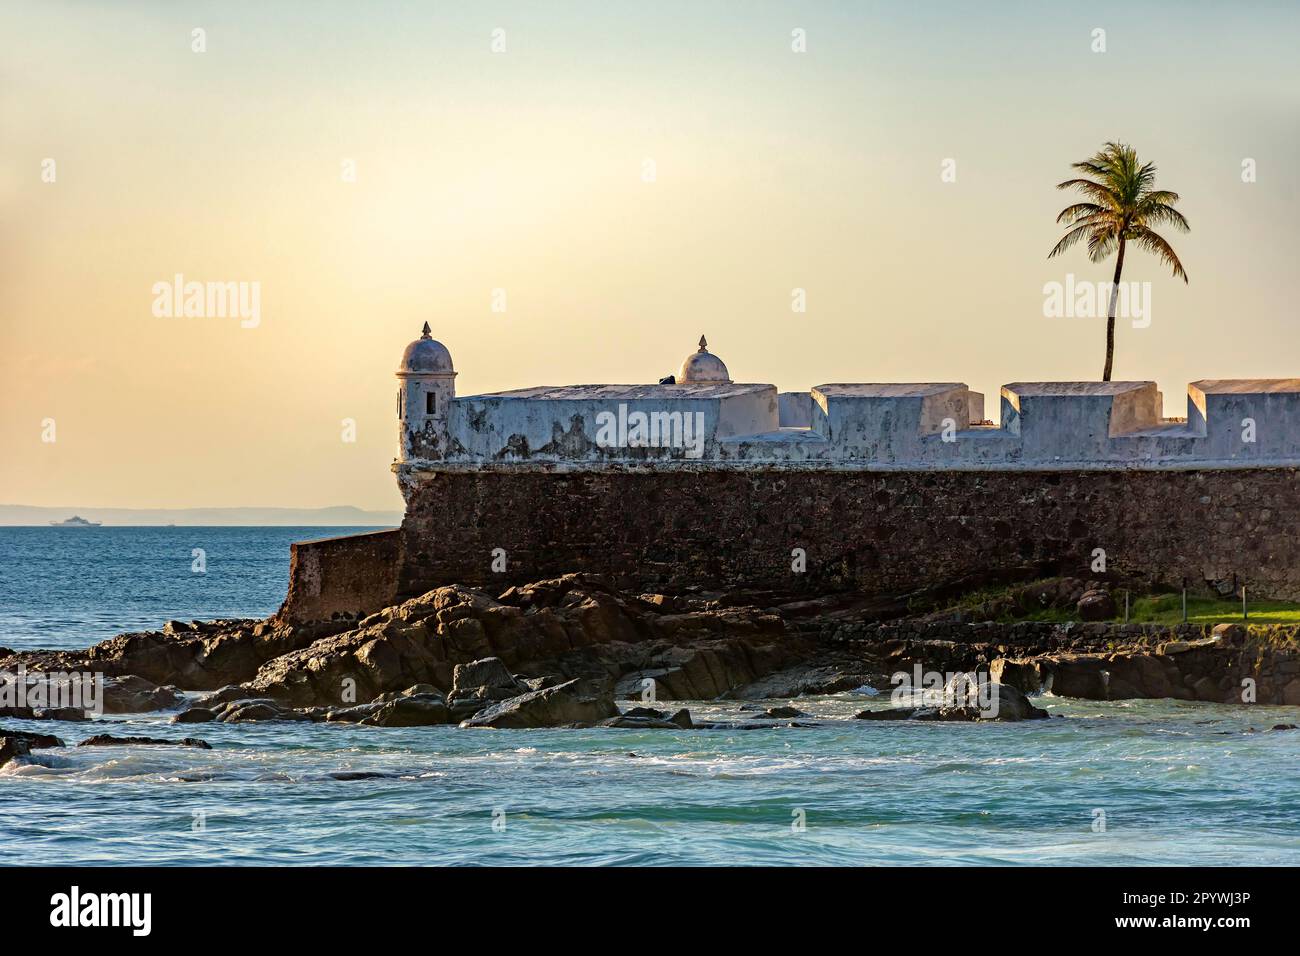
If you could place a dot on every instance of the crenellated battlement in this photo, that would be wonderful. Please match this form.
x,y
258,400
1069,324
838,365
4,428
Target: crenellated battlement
x,y
1044,425
701,419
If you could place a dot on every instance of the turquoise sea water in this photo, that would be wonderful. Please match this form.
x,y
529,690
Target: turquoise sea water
x,y
1173,782
72,587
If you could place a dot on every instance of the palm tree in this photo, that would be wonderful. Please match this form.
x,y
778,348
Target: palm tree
x,y
1122,208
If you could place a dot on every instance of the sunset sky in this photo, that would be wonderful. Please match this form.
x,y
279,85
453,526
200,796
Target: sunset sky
x,y
523,170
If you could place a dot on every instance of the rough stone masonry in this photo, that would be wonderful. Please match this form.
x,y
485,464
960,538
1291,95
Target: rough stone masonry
x,y
884,489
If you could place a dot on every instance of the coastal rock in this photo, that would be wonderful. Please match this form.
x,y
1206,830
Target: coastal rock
x,y
33,740
781,713
108,740
560,628
1231,634
646,712
485,681
195,715
44,713
351,715
645,718
246,711
198,656
567,703
1021,674
1005,703
887,713
1096,604
417,710
13,748
415,690
806,679
706,670
1010,703
130,694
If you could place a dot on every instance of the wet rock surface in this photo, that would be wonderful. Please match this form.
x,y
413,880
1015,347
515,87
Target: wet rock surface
x,y
13,748
993,702
108,740
574,702
33,740
575,651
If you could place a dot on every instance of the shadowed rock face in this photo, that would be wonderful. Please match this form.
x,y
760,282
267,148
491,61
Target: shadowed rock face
x,y
567,627
1006,703
567,703
455,652
198,656
108,740
13,748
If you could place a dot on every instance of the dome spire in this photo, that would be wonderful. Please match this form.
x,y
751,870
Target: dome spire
x,y
426,332
703,367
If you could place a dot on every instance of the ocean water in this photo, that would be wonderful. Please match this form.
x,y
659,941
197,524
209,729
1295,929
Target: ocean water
x,y
1134,782
71,587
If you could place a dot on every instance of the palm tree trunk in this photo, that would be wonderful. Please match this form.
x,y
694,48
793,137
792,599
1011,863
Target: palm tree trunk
x,y
1110,314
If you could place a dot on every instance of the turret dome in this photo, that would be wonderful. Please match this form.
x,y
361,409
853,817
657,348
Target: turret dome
x,y
426,354
703,366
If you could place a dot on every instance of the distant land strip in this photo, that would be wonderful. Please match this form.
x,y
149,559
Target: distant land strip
x,y
339,515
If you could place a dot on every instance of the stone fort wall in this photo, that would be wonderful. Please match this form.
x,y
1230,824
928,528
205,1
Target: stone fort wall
x,y
881,532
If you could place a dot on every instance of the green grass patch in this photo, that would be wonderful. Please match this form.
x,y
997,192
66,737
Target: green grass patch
x,y
1168,609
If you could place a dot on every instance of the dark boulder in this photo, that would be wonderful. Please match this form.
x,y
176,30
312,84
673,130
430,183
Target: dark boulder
x,y
195,715
1096,604
569,703
246,711
419,710
781,713
13,748
129,694
44,713
487,679
34,741
108,740
1003,702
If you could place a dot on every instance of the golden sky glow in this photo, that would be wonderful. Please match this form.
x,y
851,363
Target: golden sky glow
x,y
523,171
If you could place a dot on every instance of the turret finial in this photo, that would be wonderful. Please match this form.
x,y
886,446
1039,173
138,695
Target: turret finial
x,y
704,344
426,332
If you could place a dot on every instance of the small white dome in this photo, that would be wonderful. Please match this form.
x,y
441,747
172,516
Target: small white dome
x,y
426,354
703,366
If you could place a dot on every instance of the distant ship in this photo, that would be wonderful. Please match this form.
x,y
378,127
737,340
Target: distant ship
x,y
77,522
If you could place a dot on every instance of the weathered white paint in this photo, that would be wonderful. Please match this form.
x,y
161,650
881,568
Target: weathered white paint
x,y
852,426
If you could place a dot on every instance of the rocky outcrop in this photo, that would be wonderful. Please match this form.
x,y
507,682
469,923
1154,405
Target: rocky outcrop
x,y
1227,667
476,684
195,656
1096,604
44,713
558,630
127,694
1003,703
108,740
827,674
131,694
458,654
647,718
13,748
570,703
416,710
33,740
